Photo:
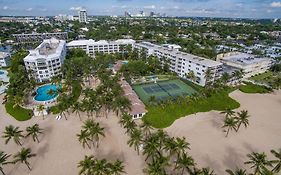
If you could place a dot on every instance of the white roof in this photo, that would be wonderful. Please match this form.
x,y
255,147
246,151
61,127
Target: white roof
x,y
48,49
245,59
101,42
4,54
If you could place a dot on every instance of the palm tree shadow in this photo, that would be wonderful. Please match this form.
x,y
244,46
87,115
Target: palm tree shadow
x,y
213,164
233,158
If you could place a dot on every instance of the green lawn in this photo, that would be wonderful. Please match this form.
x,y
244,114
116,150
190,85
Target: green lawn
x,y
252,88
18,112
160,117
262,77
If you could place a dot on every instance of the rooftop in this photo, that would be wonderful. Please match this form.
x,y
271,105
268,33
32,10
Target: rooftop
x,y
101,42
244,58
4,54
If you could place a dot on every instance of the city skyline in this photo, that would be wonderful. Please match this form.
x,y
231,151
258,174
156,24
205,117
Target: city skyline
x,y
201,8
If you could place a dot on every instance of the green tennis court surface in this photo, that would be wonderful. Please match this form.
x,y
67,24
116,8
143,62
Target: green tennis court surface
x,y
163,90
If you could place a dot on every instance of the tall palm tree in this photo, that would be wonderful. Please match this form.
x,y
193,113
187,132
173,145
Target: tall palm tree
x,y
94,130
152,147
277,167
120,105
170,146
125,118
228,112
236,172
258,161
101,167
152,100
117,168
23,156
84,138
130,126
3,160
77,107
184,163
14,133
34,131
242,118
207,171
208,76
157,166
18,101
146,128
230,123
135,139
191,75
86,165
40,109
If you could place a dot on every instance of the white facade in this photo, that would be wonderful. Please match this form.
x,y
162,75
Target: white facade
x,y
91,46
183,63
5,59
46,60
250,64
82,16
39,37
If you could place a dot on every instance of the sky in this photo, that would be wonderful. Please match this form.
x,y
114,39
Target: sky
x,y
189,8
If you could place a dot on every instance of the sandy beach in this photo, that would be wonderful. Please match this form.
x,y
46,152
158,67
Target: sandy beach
x,y
59,150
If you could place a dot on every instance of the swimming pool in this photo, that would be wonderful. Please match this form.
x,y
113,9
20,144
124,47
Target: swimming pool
x,y
42,92
1,72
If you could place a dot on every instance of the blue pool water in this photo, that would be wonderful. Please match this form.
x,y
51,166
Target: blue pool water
x,y
42,92
1,72
125,62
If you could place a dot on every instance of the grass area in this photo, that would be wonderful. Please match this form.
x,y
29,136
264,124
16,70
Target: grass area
x,y
262,77
163,90
252,88
76,91
160,117
19,113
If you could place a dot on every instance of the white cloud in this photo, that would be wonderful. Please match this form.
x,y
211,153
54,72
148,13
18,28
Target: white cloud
x,y
5,8
275,4
75,8
29,9
150,7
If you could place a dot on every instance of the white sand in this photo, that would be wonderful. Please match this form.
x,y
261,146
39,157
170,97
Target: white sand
x,y
210,147
59,151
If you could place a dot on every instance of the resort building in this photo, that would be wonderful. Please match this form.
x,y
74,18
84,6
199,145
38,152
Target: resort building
x,y
39,37
183,63
249,64
82,16
92,46
5,59
46,60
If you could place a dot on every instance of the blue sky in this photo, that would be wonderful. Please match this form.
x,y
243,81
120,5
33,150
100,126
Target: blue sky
x,y
209,8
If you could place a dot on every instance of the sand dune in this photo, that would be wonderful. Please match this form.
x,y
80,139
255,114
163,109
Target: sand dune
x,y
59,150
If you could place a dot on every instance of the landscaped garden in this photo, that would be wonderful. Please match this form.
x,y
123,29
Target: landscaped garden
x,y
19,113
253,88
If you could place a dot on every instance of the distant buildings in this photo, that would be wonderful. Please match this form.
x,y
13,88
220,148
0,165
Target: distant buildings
x,y
249,64
83,16
91,46
46,60
5,59
39,37
183,63
62,17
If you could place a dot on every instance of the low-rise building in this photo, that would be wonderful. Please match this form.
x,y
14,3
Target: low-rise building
x,y
183,63
92,46
46,60
248,63
5,59
39,37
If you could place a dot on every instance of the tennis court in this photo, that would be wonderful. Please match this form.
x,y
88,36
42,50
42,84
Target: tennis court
x,y
163,90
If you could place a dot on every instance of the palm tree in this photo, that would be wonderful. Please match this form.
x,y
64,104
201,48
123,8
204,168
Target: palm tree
x,y
242,118
3,161
207,171
151,147
236,172
208,76
40,109
18,101
121,104
34,131
258,161
77,107
184,162
94,130
157,166
86,165
230,123
191,75
14,133
228,112
135,139
117,168
130,126
84,138
146,128
277,167
152,100
101,167
23,157
125,119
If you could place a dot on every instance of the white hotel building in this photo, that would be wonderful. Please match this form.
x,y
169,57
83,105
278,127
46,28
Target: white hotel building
x,y
183,63
92,46
250,64
46,60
